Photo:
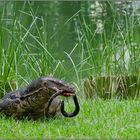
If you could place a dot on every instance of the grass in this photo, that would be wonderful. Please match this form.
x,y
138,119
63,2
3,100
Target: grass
x,y
97,119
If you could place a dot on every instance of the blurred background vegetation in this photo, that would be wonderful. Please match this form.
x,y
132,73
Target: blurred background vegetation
x,y
71,40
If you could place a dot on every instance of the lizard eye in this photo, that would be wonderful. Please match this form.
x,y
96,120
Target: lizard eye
x,y
45,84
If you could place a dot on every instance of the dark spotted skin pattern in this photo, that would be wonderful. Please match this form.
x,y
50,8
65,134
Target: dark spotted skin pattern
x,y
32,101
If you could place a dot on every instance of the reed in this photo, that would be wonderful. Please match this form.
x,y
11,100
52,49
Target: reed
x,y
28,51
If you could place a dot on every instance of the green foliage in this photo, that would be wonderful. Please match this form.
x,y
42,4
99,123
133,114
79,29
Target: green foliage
x,y
41,38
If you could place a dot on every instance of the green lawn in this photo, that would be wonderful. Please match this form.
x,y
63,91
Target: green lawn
x,y
97,119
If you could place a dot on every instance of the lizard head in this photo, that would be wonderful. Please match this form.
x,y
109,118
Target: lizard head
x,y
52,85
58,85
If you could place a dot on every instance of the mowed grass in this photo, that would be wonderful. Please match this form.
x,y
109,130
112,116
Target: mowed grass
x,y
97,119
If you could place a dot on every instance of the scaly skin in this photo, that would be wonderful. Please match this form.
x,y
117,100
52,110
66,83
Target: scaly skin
x,y
32,101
